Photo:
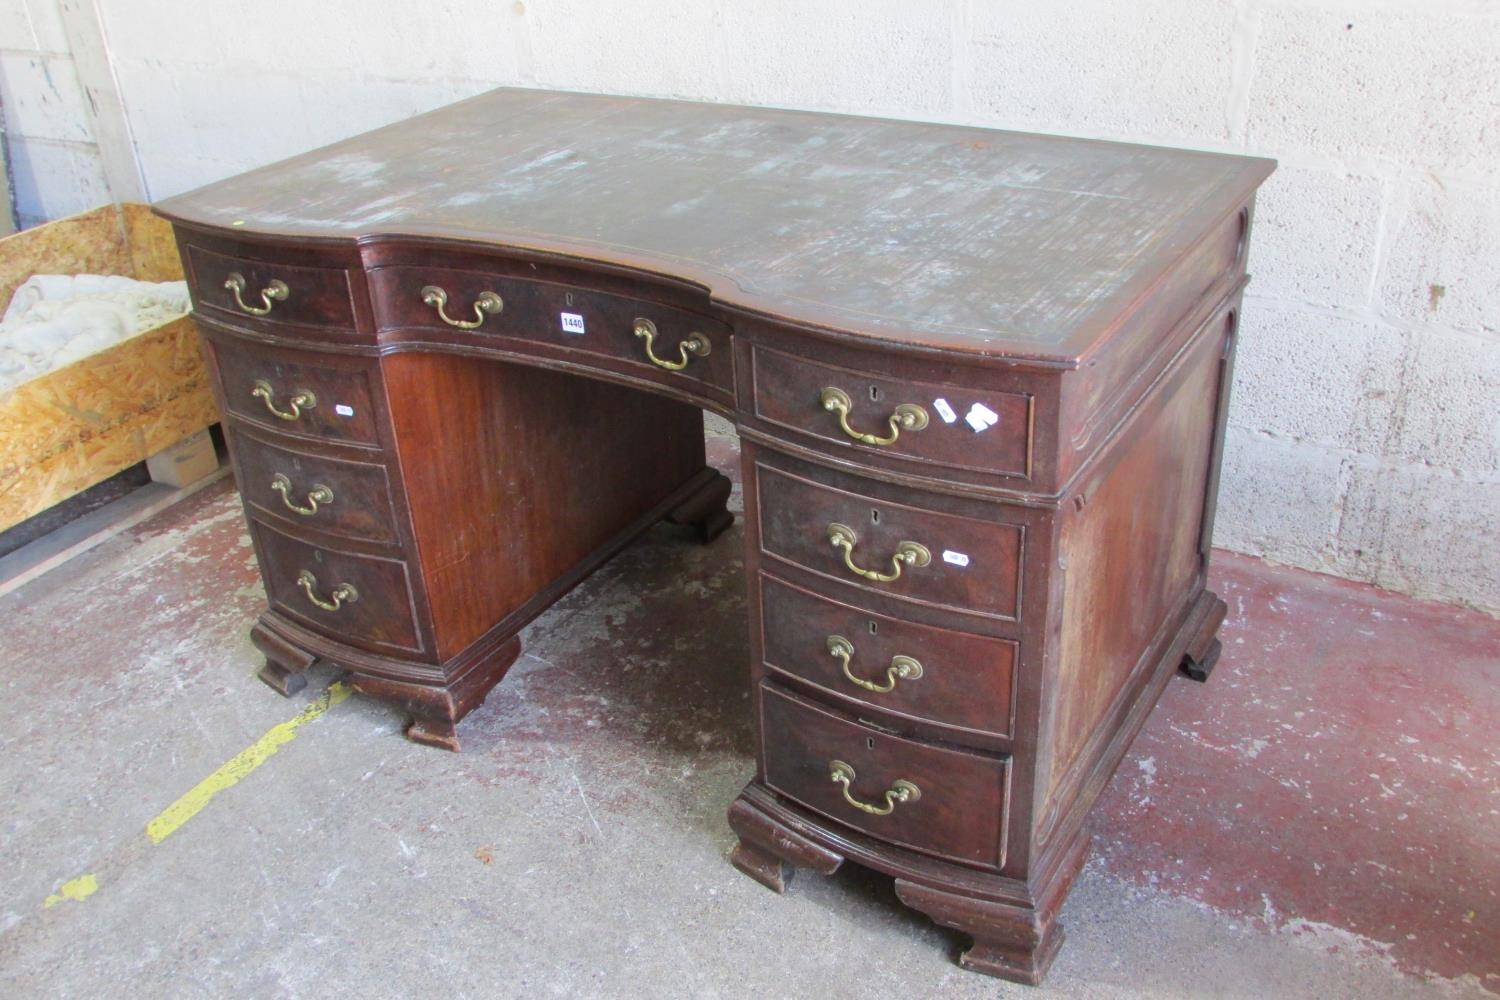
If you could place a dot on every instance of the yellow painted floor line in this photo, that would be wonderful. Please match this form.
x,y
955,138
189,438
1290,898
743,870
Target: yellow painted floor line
x,y
170,819
81,887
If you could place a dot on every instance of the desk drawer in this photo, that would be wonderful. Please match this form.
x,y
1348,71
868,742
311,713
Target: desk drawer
x,y
347,596
796,393
955,562
943,802
560,317
314,491
293,392
268,295
952,679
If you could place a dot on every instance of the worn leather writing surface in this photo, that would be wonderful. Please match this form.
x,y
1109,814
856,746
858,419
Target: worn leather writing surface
x,y
972,240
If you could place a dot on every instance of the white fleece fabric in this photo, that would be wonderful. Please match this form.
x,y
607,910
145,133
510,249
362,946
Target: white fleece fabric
x,y
56,319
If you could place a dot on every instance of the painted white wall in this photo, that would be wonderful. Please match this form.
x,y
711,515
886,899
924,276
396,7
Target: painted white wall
x,y
55,162
1365,427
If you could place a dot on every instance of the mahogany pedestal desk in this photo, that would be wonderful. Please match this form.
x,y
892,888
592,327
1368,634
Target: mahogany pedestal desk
x,y
980,378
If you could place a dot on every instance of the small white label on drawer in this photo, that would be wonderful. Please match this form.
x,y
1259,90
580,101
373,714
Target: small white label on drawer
x,y
981,417
945,410
343,409
956,558
572,323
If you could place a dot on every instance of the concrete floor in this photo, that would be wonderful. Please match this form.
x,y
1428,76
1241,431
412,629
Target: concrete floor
x,y
1320,820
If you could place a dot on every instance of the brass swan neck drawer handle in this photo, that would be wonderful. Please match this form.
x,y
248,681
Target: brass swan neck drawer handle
x,y
907,554
303,400
275,292
697,345
900,791
319,494
488,304
343,594
902,667
906,417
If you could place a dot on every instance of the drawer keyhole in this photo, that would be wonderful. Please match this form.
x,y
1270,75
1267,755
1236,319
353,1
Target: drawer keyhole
x,y
874,516
874,628
874,394
869,743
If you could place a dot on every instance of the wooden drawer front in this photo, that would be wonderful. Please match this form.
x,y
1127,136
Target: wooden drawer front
x,y
974,566
381,614
344,498
566,317
965,682
341,409
790,393
958,811
314,297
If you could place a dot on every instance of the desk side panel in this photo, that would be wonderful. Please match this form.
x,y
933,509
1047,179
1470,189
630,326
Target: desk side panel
x,y
1133,558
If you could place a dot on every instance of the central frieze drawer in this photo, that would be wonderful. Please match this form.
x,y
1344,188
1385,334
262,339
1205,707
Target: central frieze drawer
x,y
325,494
344,595
288,392
919,555
944,802
903,669
670,343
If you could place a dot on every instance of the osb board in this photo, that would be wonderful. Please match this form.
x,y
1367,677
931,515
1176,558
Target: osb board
x,y
153,251
90,243
116,239
71,428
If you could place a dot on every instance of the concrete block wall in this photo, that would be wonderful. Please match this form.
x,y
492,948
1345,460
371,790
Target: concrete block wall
x,y
1365,427
55,162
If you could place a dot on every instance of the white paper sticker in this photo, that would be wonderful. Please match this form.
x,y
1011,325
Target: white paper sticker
x,y
343,409
956,558
945,410
572,323
981,417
